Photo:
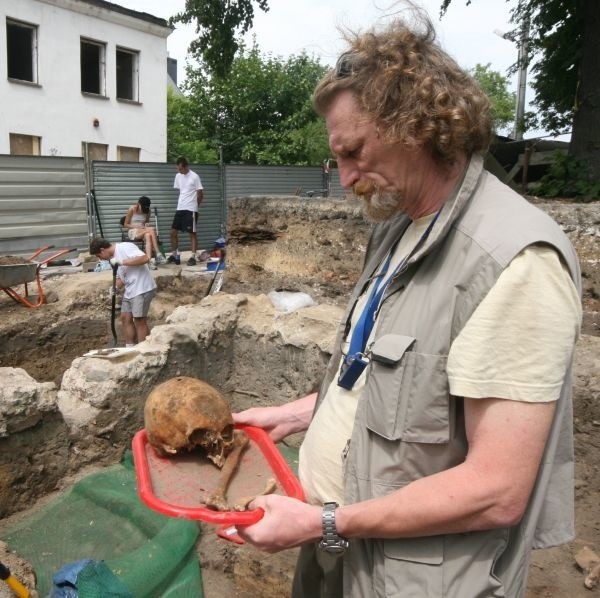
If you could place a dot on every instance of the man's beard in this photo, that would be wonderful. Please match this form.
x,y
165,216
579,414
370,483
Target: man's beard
x,y
379,205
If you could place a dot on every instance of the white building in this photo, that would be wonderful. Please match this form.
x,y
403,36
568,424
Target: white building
x,y
82,78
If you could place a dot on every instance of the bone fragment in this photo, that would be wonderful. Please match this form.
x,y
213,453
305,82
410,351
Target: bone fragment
x,y
217,500
593,577
241,504
589,563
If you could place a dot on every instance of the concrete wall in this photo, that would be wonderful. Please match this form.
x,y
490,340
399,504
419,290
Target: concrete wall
x,y
55,109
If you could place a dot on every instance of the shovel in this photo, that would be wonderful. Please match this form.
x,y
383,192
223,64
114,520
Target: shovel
x,y
113,308
160,246
217,280
14,584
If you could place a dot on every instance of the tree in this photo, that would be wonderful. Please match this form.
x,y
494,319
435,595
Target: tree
x,y
218,22
565,40
495,86
182,132
261,112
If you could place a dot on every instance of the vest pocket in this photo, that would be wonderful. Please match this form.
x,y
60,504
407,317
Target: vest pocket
x,y
407,394
413,567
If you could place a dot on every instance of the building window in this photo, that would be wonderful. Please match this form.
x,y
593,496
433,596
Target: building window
x,y
21,51
127,74
94,151
128,154
24,145
93,67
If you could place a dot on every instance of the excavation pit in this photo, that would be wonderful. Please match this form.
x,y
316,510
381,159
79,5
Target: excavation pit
x,y
73,414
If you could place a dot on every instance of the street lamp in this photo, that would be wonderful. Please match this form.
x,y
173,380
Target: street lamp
x,y
522,83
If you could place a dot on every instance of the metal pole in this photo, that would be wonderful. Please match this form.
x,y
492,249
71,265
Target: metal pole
x,y
522,85
222,187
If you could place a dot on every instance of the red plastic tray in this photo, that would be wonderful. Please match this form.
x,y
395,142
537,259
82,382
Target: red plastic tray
x,y
175,485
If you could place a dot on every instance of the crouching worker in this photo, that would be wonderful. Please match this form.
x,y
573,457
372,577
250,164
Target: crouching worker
x,y
137,223
134,276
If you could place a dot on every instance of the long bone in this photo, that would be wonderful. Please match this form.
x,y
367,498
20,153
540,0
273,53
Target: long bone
x,y
241,504
217,500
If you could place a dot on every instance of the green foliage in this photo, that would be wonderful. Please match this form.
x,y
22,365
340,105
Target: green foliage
x,y
261,112
556,39
568,177
495,87
218,22
563,52
182,132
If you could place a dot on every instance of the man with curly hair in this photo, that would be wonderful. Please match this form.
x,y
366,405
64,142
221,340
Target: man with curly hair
x,y
438,451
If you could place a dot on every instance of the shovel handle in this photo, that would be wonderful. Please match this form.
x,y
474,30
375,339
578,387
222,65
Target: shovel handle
x,y
14,584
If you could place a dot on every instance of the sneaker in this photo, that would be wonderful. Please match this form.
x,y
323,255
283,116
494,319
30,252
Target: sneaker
x,y
191,261
161,259
152,264
171,259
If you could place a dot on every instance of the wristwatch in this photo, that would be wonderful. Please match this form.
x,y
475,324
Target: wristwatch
x,y
331,542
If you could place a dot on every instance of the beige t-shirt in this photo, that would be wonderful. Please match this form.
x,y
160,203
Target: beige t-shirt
x,y
517,345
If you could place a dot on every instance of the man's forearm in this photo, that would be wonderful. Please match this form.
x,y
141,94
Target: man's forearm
x,y
490,489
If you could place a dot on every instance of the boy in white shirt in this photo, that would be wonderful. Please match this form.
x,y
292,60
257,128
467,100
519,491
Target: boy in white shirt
x,y
134,276
191,194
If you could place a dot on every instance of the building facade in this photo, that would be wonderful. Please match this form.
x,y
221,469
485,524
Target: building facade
x,y
82,78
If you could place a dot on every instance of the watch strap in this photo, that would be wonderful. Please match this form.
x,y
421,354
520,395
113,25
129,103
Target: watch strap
x,y
331,541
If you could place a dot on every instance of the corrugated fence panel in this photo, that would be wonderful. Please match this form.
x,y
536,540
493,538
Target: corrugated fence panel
x,y
242,180
336,189
43,199
42,203
118,185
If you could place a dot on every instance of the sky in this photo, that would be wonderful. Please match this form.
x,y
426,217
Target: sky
x,y
468,33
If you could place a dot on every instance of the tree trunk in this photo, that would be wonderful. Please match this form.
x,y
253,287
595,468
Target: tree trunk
x,y
585,140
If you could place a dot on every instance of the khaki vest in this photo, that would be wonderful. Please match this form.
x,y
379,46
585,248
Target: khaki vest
x,y
407,424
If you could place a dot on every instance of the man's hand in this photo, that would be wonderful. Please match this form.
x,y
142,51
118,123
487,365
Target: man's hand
x,y
115,262
287,522
280,421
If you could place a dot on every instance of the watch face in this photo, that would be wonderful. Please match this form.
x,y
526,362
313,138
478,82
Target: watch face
x,y
337,549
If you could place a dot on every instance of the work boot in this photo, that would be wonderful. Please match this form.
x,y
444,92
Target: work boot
x,y
172,259
191,261
161,259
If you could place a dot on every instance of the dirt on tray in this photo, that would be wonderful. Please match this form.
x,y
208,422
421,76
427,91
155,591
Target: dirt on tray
x,y
317,247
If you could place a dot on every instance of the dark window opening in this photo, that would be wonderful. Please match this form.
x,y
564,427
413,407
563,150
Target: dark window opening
x,y
20,44
92,67
126,75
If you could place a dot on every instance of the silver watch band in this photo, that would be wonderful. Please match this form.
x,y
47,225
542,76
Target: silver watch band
x,y
331,541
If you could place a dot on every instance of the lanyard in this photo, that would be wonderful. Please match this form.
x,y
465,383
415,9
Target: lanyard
x,y
366,321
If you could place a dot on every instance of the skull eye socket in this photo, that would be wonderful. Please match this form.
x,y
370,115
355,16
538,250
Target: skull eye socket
x,y
227,433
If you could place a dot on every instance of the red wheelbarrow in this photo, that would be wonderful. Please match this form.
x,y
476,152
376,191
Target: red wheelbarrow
x,y
12,275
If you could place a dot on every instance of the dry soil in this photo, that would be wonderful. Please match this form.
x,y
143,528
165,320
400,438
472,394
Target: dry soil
x,y
283,249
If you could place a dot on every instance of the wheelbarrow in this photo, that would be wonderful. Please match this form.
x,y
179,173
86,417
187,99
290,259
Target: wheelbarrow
x,y
12,275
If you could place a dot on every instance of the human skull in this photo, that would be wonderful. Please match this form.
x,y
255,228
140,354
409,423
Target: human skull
x,y
183,414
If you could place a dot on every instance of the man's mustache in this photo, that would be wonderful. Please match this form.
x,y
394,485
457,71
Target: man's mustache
x,y
364,187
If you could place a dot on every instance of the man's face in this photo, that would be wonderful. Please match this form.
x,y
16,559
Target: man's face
x,y
103,254
385,175
182,168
